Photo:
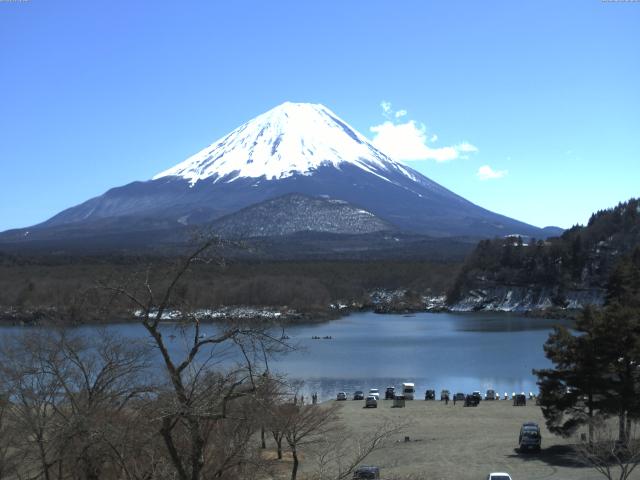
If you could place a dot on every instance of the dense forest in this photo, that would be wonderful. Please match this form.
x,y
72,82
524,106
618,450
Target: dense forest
x,y
581,258
70,287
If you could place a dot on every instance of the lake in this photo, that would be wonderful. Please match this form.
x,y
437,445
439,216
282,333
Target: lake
x,y
455,351
459,352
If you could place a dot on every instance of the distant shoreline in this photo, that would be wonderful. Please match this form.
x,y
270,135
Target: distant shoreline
x,y
11,317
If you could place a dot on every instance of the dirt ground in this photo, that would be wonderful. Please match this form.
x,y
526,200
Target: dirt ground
x,y
448,442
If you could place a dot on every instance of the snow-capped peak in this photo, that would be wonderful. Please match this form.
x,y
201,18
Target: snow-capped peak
x,y
290,139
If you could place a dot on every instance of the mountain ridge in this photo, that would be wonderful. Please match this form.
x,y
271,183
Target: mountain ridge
x,y
293,148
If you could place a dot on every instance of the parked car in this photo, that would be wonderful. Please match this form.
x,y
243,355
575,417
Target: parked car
x,y
375,393
459,397
358,395
371,401
529,438
471,401
366,473
499,476
389,393
490,395
519,400
445,395
477,395
430,395
408,390
341,396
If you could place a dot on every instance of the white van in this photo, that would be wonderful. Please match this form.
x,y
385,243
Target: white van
x,y
408,390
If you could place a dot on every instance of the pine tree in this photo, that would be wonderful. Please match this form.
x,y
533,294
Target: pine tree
x,y
570,393
597,368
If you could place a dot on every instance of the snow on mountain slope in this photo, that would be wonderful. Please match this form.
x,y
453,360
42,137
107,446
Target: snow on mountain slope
x,y
290,139
295,148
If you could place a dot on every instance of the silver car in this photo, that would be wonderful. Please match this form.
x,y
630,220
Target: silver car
x,y
371,401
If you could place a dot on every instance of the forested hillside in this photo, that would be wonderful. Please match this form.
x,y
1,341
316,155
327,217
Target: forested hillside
x,y
569,271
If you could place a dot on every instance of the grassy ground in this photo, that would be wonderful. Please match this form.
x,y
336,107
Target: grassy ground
x,y
448,442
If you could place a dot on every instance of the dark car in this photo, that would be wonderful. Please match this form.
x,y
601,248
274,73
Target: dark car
x,y
477,395
430,395
520,400
529,438
358,395
389,393
471,401
366,473
445,395
459,397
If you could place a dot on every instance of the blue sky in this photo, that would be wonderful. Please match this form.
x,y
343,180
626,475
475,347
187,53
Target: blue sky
x,y
98,94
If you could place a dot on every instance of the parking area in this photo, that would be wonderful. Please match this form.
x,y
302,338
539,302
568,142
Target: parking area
x,y
456,442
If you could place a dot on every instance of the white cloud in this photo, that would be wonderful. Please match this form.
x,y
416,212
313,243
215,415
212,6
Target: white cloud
x,y
409,141
467,147
386,108
485,172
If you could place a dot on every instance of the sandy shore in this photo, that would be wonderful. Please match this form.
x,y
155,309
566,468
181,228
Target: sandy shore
x,y
448,442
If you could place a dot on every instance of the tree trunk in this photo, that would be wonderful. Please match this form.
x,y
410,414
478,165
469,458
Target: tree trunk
x,y
622,437
590,425
277,436
197,449
294,469
43,459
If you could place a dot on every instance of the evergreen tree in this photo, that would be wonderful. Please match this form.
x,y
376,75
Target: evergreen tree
x,y
597,368
570,393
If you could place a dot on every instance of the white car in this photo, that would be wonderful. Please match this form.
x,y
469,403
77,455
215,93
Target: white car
x,y
374,393
499,476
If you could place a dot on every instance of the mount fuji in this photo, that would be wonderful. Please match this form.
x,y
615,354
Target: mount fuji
x,y
295,148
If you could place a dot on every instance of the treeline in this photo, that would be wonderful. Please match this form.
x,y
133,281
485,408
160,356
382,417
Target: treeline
x,y
583,257
71,286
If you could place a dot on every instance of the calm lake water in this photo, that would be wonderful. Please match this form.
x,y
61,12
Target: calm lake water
x,y
460,352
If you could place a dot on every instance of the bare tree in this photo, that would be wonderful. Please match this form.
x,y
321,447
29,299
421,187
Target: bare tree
x,y
198,401
7,453
67,393
276,421
304,425
34,395
136,448
339,452
609,456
